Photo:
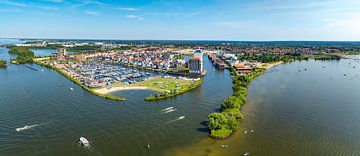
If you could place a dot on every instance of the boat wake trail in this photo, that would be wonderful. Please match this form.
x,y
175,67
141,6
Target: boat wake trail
x,y
27,127
177,119
167,109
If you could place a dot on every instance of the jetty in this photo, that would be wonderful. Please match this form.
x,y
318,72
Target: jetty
x,y
31,68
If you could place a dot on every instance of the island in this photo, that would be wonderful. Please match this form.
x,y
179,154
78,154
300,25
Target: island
x,y
3,64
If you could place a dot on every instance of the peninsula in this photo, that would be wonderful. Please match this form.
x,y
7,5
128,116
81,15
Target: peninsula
x,y
101,73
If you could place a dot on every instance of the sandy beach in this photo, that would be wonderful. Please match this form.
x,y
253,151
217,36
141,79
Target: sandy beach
x,y
114,89
273,64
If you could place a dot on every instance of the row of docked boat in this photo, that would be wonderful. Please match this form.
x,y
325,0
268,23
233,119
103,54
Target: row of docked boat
x,y
110,73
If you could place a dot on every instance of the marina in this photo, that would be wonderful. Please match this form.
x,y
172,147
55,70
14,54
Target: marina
x,y
98,74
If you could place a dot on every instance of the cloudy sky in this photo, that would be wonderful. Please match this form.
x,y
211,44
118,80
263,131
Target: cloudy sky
x,y
182,19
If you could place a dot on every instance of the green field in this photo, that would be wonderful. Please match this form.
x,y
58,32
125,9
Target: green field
x,y
164,87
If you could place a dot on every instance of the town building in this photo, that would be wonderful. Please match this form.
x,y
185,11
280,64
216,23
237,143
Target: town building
x,y
61,53
242,68
196,66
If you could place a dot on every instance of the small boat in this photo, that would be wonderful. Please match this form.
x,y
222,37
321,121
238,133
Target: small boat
x,y
181,117
59,84
252,131
148,146
344,74
83,141
224,146
245,132
246,154
71,89
24,128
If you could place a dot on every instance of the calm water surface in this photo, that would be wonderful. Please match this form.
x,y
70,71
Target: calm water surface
x,y
312,112
43,52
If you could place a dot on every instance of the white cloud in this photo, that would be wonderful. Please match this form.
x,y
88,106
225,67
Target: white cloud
x,y
85,3
93,13
344,28
55,1
232,24
17,4
138,17
10,10
49,8
132,16
128,9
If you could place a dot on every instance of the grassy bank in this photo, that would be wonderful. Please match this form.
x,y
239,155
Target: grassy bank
x,y
225,123
107,96
171,89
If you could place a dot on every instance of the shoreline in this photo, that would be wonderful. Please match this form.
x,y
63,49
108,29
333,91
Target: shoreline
x,y
116,89
107,96
104,92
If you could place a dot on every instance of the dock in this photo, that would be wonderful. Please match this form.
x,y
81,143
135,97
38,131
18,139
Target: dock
x,y
31,68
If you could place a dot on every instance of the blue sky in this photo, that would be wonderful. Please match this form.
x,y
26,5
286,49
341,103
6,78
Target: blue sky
x,y
259,20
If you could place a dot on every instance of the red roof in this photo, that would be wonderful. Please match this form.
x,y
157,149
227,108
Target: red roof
x,y
239,65
195,58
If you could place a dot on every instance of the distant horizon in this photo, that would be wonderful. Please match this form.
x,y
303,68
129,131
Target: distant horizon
x,y
107,39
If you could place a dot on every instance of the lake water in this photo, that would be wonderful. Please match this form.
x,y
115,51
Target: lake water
x,y
312,112
43,52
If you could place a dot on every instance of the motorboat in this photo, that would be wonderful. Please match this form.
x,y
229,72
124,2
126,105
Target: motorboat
x,y
83,141
169,108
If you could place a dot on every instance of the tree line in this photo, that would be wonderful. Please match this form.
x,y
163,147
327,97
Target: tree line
x,y
24,55
225,123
